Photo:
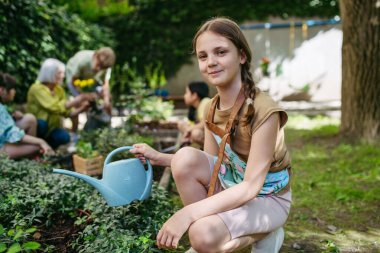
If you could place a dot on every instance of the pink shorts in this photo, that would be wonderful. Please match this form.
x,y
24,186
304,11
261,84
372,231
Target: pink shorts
x,y
259,215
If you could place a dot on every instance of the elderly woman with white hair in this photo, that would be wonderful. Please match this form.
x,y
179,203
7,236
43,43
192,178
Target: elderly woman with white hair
x,y
47,101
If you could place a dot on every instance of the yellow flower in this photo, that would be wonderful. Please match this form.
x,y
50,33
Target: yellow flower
x,y
90,81
77,82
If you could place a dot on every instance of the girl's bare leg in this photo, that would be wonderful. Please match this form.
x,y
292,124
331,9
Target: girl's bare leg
x,y
191,172
16,151
210,234
28,123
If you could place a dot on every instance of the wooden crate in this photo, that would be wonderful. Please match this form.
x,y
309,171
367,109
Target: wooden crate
x,y
88,166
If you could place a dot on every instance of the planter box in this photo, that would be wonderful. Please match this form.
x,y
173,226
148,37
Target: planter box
x,y
88,166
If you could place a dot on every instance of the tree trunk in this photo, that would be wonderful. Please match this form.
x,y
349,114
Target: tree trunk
x,y
361,69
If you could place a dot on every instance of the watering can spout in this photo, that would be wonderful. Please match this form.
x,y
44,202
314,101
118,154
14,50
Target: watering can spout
x,y
98,184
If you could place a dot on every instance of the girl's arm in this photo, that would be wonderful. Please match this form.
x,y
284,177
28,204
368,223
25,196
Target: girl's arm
x,y
259,160
28,139
210,146
143,151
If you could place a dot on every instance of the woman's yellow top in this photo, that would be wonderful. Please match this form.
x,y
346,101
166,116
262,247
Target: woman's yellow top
x,y
46,104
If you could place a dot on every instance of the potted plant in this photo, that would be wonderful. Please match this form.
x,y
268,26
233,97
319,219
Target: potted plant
x,y
87,160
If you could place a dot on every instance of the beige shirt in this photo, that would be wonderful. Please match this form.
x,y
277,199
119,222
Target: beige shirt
x,y
201,108
241,140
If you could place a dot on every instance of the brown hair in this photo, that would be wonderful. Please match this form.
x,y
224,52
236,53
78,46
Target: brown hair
x,y
106,57
230,30
7,81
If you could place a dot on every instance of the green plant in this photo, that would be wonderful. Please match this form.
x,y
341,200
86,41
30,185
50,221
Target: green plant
x,y
44,30
130,228
138,98
85,149
121,137
16,240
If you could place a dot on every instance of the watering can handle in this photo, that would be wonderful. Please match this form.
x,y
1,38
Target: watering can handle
x,y
121,149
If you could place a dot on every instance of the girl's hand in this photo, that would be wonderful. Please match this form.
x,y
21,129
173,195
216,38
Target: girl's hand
x,y
46,149
17,115
173,229
143,151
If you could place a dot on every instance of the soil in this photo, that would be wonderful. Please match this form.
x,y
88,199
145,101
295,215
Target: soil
x,y
59,234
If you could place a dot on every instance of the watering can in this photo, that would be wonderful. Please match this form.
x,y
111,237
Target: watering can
x,y
123,181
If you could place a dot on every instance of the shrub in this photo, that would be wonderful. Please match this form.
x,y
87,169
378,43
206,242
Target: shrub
x,y
43,30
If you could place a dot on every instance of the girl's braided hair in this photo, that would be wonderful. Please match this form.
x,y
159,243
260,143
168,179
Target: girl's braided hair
x,y
230,30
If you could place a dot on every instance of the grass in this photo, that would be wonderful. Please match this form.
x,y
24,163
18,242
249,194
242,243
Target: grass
x,y
336,193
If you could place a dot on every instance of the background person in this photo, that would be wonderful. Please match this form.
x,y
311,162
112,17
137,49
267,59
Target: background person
x,y
196,97
46,99
13,140
96,66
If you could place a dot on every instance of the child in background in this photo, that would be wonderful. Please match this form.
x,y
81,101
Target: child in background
x,y
245,128
196,97
13,140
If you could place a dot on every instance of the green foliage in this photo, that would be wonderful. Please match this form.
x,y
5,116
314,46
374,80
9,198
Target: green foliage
x,y
16,240
30,195
130,228
43,31
138,98
85,149
161,31
34,194
120,137
334,182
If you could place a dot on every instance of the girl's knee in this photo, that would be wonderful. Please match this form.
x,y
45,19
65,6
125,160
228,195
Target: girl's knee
x,y
184,161
202,237
30,119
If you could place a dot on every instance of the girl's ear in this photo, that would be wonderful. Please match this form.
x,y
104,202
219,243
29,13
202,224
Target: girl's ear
x,y
243,57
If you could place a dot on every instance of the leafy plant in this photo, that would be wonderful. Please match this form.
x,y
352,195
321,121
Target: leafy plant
x,y
85,149
16,240
130,228
44,30
120,137
139,100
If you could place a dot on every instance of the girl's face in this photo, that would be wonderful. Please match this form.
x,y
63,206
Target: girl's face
x,y
189,97
7,96
218,59
59,75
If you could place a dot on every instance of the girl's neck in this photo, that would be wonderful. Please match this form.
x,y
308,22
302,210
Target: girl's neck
x,y
228,96
196,103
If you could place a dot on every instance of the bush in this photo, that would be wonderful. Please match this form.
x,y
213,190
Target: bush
x,y
43,30
30,195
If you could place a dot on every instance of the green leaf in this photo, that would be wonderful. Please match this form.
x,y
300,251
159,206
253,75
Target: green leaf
x,y
3,247
18,235
14,248
1,229
11,232
31,245
30,230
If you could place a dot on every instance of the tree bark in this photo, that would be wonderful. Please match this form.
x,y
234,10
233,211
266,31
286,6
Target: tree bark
x,y
361,69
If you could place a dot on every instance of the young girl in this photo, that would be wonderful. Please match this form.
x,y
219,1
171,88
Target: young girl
x,y
15,142
252,197
196,97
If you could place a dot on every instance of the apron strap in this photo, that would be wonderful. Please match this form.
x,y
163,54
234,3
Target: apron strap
x,y
225,135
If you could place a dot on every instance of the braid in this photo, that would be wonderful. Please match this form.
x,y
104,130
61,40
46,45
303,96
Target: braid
x,y
249,89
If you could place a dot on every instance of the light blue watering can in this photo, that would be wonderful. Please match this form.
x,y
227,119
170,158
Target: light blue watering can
x,y
123,181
